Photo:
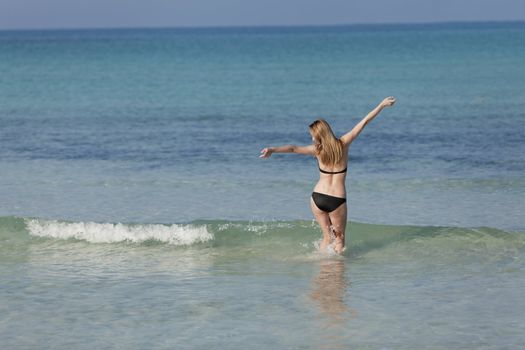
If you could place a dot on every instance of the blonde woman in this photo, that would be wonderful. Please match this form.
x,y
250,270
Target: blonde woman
x,y
328,201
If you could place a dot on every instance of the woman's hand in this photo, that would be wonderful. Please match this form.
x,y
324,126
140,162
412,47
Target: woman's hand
x,y
389,101
266,152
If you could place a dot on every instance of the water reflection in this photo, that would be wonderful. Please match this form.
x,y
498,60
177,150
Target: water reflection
x,y
328,291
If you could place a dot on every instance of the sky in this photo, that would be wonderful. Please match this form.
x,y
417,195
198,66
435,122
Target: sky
x,y
48,14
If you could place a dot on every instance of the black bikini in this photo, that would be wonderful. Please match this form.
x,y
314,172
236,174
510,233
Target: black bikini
x,y
326,202
333,172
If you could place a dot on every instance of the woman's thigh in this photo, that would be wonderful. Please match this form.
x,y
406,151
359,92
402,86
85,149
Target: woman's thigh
x,y
322,218
338,220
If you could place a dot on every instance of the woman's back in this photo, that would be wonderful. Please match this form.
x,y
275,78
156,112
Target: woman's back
x,y
332,178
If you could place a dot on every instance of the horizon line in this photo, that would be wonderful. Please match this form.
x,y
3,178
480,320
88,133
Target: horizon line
x,y
360,24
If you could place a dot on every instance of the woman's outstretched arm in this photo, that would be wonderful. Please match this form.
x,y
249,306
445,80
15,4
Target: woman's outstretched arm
x,y
267,152
350,136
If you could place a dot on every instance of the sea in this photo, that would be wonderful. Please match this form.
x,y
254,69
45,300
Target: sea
x,y
135,212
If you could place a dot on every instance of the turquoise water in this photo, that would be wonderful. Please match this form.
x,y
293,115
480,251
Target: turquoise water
x,y
233,284
136,213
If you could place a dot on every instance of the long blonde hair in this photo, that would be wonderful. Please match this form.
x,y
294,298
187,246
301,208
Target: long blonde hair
x,y
328,147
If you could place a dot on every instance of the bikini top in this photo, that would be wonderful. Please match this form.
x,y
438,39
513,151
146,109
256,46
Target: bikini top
x,y
331,172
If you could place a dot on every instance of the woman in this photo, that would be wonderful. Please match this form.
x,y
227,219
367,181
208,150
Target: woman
x,y
328,201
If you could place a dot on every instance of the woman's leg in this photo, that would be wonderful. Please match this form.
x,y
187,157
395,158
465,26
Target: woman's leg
x,y
338,220
324,221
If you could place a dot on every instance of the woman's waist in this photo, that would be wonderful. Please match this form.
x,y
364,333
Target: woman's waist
x,y
336,190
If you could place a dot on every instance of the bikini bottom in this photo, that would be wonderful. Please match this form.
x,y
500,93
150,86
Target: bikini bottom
x,y
326,202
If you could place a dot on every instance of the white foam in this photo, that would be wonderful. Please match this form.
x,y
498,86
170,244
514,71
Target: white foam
x,y
110,233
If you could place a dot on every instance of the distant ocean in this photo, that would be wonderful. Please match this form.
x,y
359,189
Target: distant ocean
x,y
135,212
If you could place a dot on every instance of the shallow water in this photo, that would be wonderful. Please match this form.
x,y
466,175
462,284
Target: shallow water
x,y
229,284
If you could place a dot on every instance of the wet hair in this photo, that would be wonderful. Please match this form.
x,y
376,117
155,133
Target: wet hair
x,y
328,147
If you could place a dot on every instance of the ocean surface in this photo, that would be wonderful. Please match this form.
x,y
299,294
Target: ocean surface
x,y
135,212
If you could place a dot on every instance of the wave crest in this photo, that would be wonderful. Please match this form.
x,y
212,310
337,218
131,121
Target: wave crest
x,y
110,233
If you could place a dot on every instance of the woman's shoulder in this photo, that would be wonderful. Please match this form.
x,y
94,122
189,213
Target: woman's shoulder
x,y
346,147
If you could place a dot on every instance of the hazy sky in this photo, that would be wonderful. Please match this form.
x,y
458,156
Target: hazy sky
x,y
17,14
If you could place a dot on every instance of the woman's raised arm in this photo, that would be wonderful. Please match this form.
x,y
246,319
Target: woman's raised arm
x,y
350,136
267,152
